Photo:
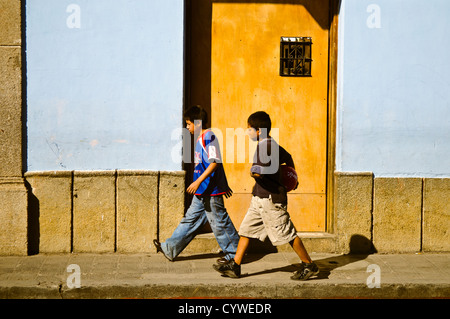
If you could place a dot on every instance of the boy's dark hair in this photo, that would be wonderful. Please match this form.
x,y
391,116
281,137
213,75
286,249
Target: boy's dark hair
x,y
259,120
197,113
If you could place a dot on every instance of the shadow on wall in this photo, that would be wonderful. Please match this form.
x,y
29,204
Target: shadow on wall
x,y
33,222
360,244
315,8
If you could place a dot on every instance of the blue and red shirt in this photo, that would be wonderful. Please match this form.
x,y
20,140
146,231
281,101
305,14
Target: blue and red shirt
x,y
207,151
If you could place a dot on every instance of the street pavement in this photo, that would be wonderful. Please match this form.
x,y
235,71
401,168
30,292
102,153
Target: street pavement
x,y
264,276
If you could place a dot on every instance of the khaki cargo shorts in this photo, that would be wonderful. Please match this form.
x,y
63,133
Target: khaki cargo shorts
x,y
265,218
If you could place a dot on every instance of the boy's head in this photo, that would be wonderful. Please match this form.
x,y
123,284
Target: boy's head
x,y
261,123
196,115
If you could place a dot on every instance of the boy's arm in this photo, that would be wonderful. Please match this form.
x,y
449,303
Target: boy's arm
x,y
257,171
289,162
195,185
286,158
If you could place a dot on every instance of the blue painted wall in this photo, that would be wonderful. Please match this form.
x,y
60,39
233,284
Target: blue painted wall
x,y
104,84
394,88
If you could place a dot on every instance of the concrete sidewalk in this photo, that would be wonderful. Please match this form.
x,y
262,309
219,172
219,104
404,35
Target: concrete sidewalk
x,y
192,276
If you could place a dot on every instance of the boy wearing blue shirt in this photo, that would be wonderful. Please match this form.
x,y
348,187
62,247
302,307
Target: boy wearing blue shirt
x,y
209,186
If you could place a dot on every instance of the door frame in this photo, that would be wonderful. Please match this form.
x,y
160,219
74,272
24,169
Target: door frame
x,y
331,118
331,95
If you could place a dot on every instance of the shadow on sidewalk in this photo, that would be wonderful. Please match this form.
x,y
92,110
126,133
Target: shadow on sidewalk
x,y
360,248
199,256
255,252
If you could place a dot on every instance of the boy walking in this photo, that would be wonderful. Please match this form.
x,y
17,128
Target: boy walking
x,y
209,186
267,215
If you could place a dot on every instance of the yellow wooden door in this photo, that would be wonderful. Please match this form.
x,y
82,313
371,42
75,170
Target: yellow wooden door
x,y
245,77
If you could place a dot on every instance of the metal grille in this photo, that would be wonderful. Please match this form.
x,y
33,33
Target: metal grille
x,y
295,56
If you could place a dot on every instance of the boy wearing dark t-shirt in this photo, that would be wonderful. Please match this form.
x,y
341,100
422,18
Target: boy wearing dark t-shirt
x,y
267,215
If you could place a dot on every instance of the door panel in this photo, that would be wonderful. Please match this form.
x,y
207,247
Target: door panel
x,y
245,63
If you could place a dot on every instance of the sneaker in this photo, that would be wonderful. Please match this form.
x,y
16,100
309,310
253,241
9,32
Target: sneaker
x,y
229,269
159,249
305,271
222,260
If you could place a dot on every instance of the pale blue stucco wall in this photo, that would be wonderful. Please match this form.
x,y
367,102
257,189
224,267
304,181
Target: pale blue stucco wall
x,y
108,93
104,84
393,115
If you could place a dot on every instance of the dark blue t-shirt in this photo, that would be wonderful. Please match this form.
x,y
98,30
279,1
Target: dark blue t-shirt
x,y
207,151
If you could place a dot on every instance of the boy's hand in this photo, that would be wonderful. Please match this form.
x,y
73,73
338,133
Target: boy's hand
x,y
255,175
193,188
256,171
229,194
